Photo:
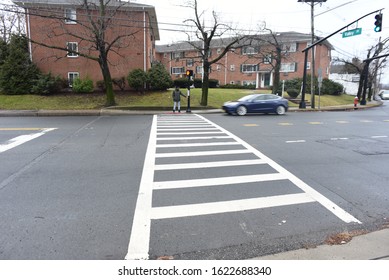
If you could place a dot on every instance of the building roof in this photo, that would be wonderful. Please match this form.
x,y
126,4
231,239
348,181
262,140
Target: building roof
x,y
283,37
129,6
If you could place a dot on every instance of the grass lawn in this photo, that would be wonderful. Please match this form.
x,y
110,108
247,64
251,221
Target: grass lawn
x,y
73,101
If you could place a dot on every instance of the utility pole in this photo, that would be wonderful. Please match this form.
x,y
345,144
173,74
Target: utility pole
x,y
312,3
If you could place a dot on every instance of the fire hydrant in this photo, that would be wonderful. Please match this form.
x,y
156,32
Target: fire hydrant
x,y
356,100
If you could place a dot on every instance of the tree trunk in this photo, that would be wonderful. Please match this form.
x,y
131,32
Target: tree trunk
x,y
205,86
107,82
276,80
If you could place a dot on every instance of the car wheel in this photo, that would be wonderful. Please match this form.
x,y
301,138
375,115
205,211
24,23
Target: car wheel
x,y
280,110
241,110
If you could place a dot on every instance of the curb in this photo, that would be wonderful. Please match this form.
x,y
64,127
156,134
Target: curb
x,y
150,111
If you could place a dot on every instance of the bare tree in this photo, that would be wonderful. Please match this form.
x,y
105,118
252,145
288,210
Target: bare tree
x,y
12,21
368,71
206,35
102,30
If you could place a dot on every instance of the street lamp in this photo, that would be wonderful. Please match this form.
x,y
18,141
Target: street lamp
x,y
302,104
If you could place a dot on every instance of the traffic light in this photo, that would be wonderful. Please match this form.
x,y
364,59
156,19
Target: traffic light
x,y
378,23
189,73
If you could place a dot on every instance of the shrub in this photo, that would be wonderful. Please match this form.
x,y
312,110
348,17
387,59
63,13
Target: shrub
x,y
46,84
182,82
137,79
293,93
82,85
331,87
159,78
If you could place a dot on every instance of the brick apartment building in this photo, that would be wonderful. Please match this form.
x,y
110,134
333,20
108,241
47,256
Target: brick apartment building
x,y
61,23
251,64
65,23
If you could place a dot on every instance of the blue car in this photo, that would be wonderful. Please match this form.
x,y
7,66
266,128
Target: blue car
x,y
257,103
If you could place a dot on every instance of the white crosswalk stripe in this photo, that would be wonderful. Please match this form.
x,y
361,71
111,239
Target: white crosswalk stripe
x,y
172,139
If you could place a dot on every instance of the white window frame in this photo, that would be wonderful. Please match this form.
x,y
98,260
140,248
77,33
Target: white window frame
x,y
267,58
72,76
248,83
189,62
178,70
72,49
199,69
288,67
70,16
178,55
232,67
289,47
249,50
250,68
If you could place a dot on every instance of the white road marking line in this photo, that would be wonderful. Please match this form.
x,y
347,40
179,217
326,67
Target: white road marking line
x,y
380,136
193,138
208,164
332,207
196,144
177,211
186,133
14,142
218,181
138,247
186,129
205,153
295,141
342,138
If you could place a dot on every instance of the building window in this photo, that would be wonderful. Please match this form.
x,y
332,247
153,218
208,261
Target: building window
x,y
232,67
267,59
249,68
249,83
290,47
70,16
72,76
189,62
178,55
218,67
308,65
219,51
250,50
199,69
288,67
178,70
72,49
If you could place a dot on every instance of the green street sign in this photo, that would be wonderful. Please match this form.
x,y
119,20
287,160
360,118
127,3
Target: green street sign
x,y
352,32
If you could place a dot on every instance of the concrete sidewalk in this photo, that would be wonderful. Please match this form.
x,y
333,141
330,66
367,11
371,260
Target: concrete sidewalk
x,y
370,246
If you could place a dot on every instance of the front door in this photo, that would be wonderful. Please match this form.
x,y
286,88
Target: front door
x,y
267,79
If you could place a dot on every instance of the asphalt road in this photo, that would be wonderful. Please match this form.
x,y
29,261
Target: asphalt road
x,y
213,186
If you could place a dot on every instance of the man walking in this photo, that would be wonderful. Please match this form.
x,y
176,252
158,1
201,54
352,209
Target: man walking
x,y
176,95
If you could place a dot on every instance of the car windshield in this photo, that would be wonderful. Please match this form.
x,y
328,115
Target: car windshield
x,y
246,98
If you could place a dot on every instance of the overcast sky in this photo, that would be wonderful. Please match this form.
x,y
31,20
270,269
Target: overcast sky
x,y
280,15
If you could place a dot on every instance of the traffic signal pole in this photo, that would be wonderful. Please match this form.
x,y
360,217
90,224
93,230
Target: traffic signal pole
x,y
302,103
189,74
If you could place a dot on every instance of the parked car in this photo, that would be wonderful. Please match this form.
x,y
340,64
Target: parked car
x,y
384,94
257,103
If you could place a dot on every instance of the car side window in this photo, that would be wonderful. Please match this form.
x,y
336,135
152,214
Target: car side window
x,y
271,97
259,98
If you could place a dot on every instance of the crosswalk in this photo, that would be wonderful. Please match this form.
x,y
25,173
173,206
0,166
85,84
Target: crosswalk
x,y
190,152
